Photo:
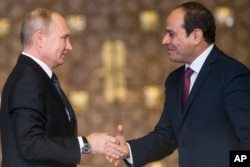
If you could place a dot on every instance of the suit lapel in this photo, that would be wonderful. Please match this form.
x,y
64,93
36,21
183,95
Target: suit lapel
x,y
26,60
180,88
197,85
201,78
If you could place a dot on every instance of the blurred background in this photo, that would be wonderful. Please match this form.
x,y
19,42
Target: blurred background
x,y
116,71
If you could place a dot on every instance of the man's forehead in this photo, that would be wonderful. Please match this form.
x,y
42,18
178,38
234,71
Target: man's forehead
x,y
59,22
176,15
175,18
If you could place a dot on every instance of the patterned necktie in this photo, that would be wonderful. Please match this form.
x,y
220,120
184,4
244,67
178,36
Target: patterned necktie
x,y
62,95
186,85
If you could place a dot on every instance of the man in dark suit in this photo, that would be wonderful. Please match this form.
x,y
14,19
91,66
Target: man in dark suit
x,y
216,116
38,125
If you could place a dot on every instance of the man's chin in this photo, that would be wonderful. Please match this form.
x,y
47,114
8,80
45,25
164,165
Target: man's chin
x,y
172,58
59,63
62,60
175,58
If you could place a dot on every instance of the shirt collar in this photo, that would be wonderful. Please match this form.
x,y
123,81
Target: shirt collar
x,y
44,66
199,61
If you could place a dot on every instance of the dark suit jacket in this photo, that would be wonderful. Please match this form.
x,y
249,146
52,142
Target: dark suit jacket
x,y
215,120
35,131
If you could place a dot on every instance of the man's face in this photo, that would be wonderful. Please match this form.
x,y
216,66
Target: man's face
x,y
179,45
57,43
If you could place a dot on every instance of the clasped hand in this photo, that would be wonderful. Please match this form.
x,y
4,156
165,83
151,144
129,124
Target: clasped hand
x,y
114,148
122,144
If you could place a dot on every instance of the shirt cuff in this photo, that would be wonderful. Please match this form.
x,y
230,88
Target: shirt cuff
x,y
130,158
80,142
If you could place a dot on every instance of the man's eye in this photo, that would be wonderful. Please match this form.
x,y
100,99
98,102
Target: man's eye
x,y
171,35
65,37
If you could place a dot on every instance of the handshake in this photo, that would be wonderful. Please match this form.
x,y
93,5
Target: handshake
x,y
114,148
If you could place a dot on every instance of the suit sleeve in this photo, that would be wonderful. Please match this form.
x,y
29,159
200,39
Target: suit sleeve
x,y
237,103
28,115
156,145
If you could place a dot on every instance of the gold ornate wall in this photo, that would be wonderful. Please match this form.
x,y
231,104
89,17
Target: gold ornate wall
x,y
128,88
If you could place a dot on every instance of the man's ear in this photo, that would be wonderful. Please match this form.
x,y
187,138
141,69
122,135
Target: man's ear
x,y
197,35
39,38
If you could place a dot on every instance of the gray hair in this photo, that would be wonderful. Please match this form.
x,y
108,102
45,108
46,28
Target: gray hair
x,y
38,20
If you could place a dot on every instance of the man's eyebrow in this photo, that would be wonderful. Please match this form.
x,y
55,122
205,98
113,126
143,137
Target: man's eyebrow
x,y
66,36
169,31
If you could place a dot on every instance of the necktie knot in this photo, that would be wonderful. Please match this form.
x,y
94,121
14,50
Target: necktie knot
x,y
54,78
56,84
188,72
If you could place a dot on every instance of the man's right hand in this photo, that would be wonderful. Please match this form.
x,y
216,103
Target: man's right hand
x,y
122,143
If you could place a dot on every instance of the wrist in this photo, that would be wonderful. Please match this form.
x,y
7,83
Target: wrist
x,y
86,148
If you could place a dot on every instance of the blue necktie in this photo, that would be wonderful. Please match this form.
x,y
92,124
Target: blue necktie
x,y
62,95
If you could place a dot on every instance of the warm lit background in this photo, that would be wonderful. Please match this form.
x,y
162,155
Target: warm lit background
x,y
116,71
